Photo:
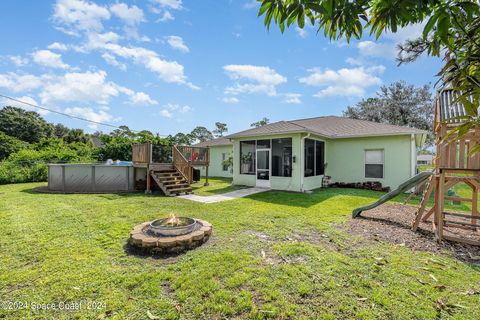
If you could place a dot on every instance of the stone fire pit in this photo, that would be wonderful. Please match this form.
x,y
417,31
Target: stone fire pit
x,y
163,236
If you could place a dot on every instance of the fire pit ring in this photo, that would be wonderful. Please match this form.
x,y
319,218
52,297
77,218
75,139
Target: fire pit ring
x,y
163,227
148,238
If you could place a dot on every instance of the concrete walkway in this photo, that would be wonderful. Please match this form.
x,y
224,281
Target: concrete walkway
x,y
225,196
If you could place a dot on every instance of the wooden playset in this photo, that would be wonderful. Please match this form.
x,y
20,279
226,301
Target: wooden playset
x,y
453,164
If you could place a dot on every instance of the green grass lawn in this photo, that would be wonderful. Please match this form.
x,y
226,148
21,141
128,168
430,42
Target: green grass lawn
x,y
272,255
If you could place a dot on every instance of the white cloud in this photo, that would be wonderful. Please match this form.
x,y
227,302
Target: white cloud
x,y
377,49
166,16
136,98
251,4
302,33
168,71
85,87
165,8
171,4
98,41
170,109
86,18
355,61
259,79
141,98
79,15
18,60
49,59
177,43
90,114
131,15
230,100
58,46
27,99
293,98
165,113
111,60
20,83
386,46
343,82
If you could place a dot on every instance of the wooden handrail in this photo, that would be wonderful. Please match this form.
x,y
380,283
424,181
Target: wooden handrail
x,y
183,165
199,156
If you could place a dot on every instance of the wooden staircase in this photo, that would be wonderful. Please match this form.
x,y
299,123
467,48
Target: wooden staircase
x,y
171,181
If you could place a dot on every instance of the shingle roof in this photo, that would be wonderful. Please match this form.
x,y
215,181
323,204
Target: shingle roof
x,y
222,141
329,127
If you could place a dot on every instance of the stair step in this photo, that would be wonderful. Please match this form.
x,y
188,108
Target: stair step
x,y
179,190
173,174
175,186
170,182
165,171
169,178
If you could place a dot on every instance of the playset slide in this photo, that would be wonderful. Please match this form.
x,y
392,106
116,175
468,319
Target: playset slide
x,y
407,185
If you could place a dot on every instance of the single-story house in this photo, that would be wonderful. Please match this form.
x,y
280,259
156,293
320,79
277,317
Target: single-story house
x,y
424,159
221,149
296,155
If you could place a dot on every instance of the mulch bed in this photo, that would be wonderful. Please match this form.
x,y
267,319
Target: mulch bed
x,y
392,223
368,185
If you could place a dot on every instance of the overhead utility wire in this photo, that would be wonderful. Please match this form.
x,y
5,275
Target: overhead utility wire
x,y
66,114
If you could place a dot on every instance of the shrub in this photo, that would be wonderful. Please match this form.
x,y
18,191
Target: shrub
x,y
9,145
30,165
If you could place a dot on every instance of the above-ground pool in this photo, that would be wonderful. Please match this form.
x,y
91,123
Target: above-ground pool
x,y
91,177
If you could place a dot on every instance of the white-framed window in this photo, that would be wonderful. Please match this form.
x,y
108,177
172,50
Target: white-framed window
x,y
374,163
314,152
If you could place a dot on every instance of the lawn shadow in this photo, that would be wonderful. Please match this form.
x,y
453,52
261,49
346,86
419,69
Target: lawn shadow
x,y
137,252
136,193
171,257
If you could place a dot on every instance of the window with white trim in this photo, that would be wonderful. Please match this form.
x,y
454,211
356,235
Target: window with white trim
x,y
314,152
374,163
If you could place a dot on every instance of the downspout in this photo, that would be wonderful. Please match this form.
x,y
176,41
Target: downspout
x,y
302,167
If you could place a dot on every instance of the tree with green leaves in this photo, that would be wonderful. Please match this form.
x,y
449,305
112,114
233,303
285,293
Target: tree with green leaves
x,y
451,28
260,123
398,104
76,135
181,139
201,134
24,125
59,130
9,145
220,129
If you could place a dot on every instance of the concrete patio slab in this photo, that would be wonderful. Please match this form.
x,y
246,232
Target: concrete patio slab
x,y
225,196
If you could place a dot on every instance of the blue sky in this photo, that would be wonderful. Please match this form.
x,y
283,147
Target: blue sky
x,y
170,65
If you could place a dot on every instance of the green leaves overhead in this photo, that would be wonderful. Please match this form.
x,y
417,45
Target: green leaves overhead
x,y
451,28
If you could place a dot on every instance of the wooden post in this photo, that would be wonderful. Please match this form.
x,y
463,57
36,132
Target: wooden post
x,y
149,148
474,205
149,183
423,205
206,176
439,205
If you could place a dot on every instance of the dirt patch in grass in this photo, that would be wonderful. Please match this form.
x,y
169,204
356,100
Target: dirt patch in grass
x,y
313,237
392,223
